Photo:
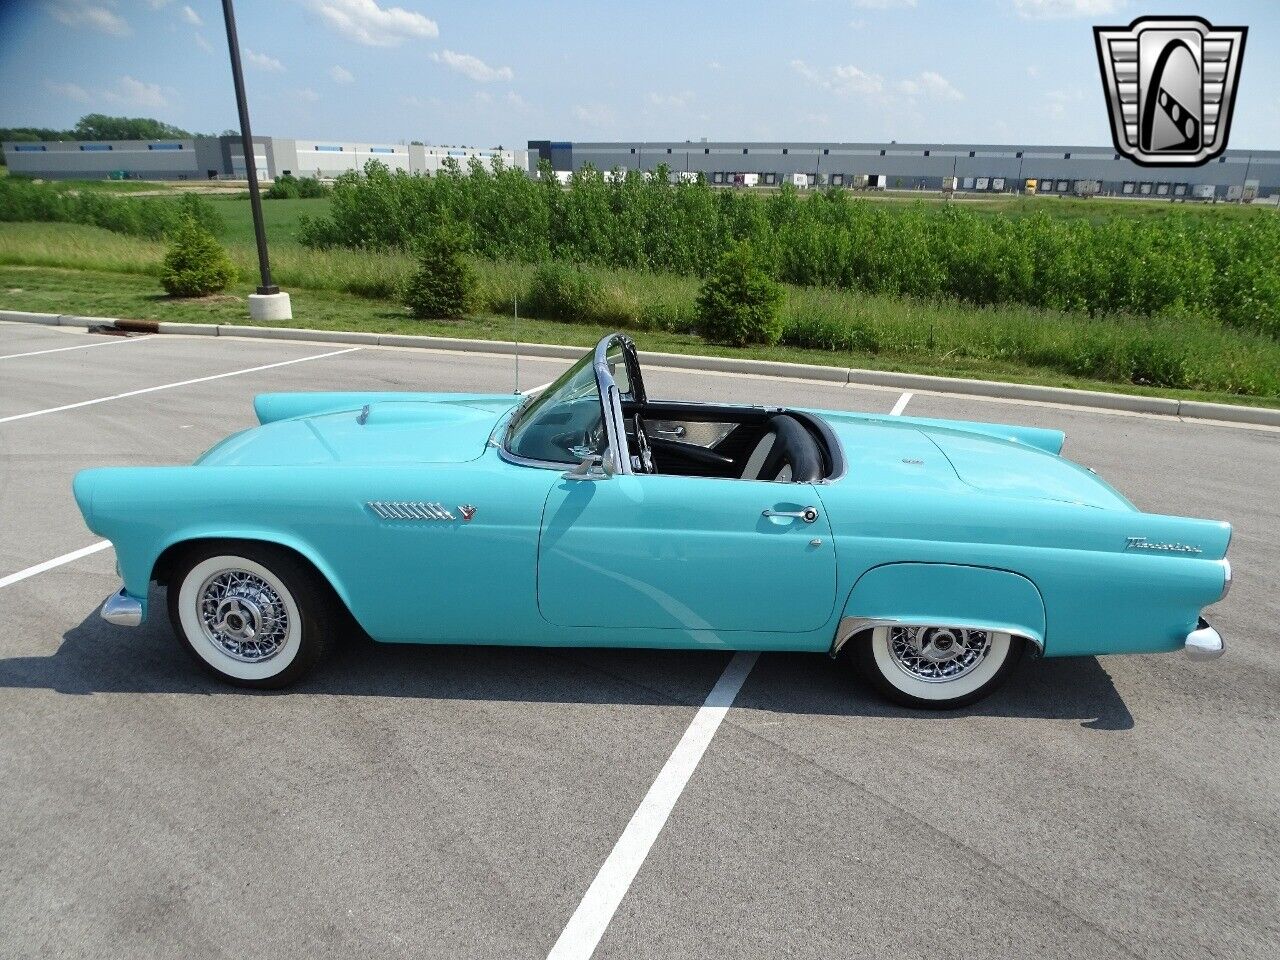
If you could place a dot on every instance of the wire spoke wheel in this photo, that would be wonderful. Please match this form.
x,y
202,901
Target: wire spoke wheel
x,y
243,615
935,667
252,613
937,654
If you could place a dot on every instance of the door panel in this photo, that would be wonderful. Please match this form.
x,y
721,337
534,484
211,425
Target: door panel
x,y
691,553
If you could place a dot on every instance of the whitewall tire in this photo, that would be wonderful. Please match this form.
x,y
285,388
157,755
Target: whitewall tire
x,y
935,667
252,614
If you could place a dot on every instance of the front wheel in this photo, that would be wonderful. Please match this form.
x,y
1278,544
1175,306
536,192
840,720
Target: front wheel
x,y
935,668
251,614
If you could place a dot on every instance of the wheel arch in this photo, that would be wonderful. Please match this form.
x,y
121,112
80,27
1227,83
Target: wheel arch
x,y
920,593
162,568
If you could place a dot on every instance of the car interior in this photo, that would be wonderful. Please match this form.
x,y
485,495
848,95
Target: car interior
x,y
566,424
747,443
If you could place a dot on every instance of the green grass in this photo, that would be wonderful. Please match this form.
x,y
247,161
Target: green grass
x,y
1093,209
138,296
111,186
280,216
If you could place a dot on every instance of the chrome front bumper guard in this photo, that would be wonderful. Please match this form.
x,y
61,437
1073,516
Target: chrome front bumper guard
x,y
122,610
1204,642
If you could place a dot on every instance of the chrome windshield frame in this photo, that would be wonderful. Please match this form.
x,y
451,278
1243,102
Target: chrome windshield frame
x,y
611,414
611,400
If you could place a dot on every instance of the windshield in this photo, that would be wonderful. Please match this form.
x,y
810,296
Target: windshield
x,y
565,424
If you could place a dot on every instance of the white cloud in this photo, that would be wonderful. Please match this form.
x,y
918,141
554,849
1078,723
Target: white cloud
x,y
883,4
78,13
1058,9
516,100
714,65
135,93
202,43
1057,104
158,4
846,79
931,85
850,79
365,22
473,67
306,94
341,74
595,114
262,61
673,101
1033,71
72,91
192,17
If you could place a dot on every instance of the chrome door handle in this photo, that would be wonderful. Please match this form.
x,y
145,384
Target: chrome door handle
x,y
808,514
670,433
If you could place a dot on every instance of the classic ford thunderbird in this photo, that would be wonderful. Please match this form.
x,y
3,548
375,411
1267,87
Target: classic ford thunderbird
x,y
929,553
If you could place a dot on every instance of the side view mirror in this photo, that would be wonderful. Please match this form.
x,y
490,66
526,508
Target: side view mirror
x,y
594,467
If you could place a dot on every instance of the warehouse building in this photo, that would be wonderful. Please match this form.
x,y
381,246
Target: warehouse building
x,y
1237,174
213,158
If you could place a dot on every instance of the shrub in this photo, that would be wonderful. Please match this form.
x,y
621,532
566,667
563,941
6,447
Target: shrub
x,y
740,303
1120,264
284,187
288,187
137,216
195,264
443,287
560,291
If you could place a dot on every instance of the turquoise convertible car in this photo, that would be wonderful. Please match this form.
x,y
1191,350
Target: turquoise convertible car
x,y
930,553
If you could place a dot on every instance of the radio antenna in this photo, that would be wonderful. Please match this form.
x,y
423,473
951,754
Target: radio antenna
x,y
515,330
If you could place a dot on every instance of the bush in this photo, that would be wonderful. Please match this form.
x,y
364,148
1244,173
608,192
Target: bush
x,y
22,199
740,303
443,287
288,187
1222,266
560,291
195,265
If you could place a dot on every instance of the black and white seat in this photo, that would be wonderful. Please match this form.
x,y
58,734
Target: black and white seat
x,y
787,453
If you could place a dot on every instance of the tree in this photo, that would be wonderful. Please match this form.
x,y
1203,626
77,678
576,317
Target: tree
x,y
98,126
740,303
195,264
444,285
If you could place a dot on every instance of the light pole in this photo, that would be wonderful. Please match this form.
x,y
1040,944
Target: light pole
x,y
268,303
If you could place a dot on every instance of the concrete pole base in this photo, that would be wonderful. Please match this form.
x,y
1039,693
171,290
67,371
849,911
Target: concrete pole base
x,y
270,306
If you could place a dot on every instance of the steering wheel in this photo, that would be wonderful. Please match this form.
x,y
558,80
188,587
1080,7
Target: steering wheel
x,y
645,456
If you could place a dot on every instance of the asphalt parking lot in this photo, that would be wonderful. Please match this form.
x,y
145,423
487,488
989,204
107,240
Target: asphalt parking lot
x,y
458,802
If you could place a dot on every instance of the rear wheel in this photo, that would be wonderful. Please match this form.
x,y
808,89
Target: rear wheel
x,y
252,614
935,668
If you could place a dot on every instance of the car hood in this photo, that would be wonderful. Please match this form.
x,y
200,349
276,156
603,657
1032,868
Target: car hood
x,y
319,429
996,459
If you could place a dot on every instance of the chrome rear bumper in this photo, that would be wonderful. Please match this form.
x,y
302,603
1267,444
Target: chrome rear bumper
x,y
1204,642
122,610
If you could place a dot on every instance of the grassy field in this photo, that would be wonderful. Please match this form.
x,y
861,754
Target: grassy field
x,y
65,267
280,216
76,269
1094,209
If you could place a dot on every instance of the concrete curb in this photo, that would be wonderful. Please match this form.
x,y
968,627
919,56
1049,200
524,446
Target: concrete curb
x,y
1185,409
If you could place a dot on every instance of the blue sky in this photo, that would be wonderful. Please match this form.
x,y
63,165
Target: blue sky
x,y
484,73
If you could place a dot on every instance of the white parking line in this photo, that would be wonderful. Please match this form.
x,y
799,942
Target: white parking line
x,y
78,346
587,925
901,404
169,386
55,562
